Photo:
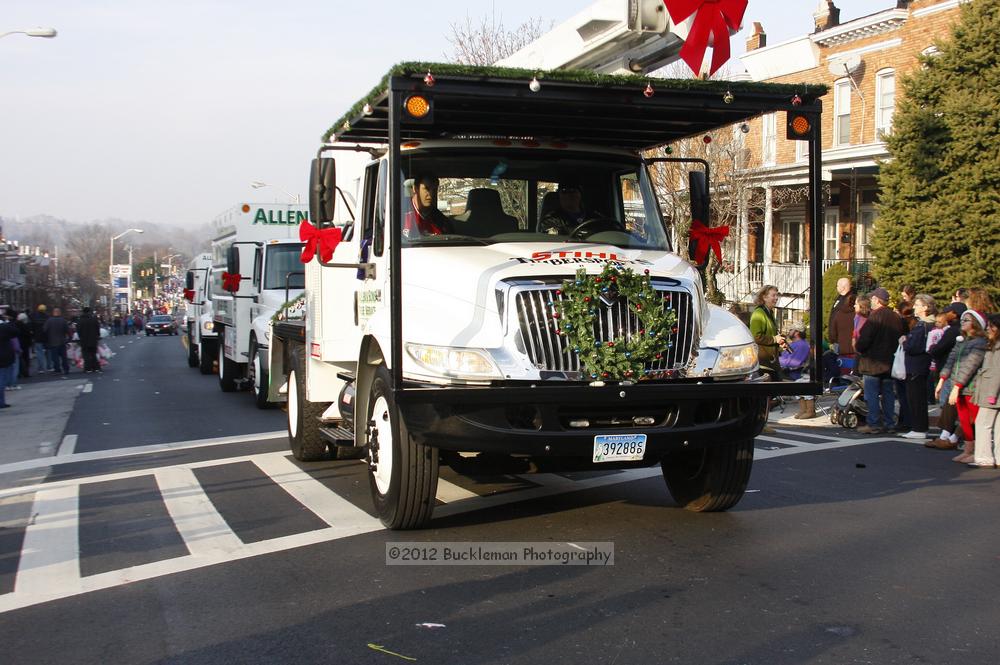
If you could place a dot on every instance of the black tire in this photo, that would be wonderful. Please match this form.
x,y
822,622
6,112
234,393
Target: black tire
x,y
192,354
259,394
835,416
206,357
403,494
712,479
227,371
304,439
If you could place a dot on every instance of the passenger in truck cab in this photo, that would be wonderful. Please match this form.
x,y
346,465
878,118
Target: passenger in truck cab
x,y
423,217
568,213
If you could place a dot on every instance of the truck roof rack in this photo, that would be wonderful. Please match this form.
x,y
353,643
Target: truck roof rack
x,y
571,105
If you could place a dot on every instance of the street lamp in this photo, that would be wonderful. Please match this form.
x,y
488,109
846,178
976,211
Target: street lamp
x,y
257,184
111,263
47,33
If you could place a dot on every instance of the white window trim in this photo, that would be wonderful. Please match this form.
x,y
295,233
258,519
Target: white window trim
x,y
769,140
840,98
835,214
880,76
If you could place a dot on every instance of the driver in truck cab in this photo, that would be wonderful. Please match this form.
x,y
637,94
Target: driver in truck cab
x,y
424,218
569,212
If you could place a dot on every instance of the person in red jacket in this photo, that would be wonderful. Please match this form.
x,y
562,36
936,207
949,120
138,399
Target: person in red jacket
x,y
424,218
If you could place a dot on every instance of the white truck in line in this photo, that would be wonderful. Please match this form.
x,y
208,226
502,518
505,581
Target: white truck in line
x,y
416,350
255,268
199,325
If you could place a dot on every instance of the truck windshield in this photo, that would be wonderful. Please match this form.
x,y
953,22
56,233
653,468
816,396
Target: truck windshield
x,y
281,260
477,196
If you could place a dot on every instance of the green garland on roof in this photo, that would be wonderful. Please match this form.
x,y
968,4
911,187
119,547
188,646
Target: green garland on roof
x,y
446,70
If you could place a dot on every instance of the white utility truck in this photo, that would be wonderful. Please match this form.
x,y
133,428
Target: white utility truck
x,y
199,326
255,269
494,329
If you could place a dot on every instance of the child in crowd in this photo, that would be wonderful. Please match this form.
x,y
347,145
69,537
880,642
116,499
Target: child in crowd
x,y
963,363
985,396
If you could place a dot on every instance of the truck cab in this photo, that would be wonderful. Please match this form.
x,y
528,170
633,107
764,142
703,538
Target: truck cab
x,y
198,324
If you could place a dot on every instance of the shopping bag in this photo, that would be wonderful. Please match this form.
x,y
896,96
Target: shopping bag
x,y
899,364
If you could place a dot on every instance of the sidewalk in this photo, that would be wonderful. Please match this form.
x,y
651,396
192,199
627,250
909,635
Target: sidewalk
x,y
824,405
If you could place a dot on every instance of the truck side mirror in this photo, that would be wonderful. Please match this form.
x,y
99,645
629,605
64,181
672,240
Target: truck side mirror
x,y
233,260
322,191
698,187
189,281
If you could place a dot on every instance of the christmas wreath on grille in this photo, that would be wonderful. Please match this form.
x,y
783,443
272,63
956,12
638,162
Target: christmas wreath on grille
x,y
624,356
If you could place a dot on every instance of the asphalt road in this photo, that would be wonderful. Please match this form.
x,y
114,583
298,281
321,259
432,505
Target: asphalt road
x,y
844,550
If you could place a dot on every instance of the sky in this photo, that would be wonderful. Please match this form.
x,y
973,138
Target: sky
x,y
166,111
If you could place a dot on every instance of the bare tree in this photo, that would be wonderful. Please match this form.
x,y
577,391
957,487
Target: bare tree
x,y
487,40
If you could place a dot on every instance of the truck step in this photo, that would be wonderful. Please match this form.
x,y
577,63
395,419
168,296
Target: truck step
x,y
346,376
339,435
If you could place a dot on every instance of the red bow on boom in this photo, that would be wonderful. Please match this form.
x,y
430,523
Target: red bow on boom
x,y
707,238
316,240
715,18
231,281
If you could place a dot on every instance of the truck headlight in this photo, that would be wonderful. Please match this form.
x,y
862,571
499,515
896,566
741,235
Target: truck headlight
x,y
208,326
448,361
736,360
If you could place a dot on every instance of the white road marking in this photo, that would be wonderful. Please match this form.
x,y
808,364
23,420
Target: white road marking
x,y
815,436
141,450
50,564
201,526
449,492
67,446
774,439
88,388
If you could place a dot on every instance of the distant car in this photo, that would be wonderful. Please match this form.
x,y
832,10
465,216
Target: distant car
x,y
161,323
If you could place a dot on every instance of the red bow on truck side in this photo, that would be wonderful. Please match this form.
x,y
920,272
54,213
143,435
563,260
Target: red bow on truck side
x,y
714,20
316,240
189,295
231,281
707,238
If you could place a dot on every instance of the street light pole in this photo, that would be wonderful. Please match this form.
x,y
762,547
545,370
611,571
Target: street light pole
x,y
47,33
111,263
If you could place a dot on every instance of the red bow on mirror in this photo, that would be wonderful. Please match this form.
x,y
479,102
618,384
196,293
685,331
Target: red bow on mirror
x,y
714,20
231,281
316,240
706,238
189,295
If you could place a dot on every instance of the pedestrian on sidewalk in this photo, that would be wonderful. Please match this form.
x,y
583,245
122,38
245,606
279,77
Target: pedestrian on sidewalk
x,y
948,417
764,329
918,364
8,333
57,335
794,361
38,319
903,425
876,346
88,330
840,331
963,363
24,337
986,396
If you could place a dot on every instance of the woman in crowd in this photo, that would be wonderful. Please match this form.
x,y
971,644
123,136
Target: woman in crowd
x,y
862,308
985,396
963,363
918,363
940,350
764,329
903,422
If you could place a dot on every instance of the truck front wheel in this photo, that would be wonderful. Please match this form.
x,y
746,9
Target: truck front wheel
x,y
192,353
307,444
711,479
258,377
227,371
402,473
206,358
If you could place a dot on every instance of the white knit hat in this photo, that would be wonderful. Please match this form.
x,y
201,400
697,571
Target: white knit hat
x,y
979,317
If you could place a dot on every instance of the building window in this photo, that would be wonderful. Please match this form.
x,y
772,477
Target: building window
x,y
865,229
769,149
841,113
885,101
792,239
831,238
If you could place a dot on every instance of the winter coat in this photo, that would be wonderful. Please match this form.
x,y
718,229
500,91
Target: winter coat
x,y
23,334
764,328
939,352
877,342
38,320
7,333
963,363
987,382
55,332
841,328
918,361
89,331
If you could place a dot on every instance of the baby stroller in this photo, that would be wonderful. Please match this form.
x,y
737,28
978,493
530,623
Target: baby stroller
x,y
850,408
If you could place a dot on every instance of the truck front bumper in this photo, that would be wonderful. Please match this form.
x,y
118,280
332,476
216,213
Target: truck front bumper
x,y
561,423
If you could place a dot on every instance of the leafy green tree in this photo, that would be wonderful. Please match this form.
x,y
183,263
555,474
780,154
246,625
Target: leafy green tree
x,y
939,217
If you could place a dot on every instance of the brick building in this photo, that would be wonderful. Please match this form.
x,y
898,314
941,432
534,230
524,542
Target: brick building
x,y
861,60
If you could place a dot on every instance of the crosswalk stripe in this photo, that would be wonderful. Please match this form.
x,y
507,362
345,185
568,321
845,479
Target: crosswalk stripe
x,y
787,442
809,434
50,556
67,446
343,516
449,492
201,526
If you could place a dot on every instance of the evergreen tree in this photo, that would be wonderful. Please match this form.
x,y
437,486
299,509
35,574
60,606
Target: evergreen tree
x,y
939,215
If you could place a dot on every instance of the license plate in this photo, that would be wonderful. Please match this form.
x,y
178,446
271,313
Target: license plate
x,y
619,447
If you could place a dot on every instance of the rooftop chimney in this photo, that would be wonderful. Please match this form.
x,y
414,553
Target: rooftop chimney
x,y
826,16
758,39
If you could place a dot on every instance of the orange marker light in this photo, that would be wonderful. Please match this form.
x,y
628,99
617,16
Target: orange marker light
x,y
800,125
417,106
245,208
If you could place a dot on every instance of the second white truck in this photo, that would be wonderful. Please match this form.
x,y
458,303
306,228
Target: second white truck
x,y
199,326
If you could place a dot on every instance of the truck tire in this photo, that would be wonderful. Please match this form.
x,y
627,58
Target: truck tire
x,y
711,479
206,358
192,354
257,377
304,439
227,371
402,474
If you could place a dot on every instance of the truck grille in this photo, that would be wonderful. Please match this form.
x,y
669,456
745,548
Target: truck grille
x,y
550,351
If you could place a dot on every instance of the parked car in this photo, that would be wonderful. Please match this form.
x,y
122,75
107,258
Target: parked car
x,y
161,323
